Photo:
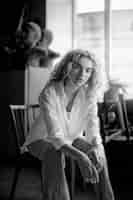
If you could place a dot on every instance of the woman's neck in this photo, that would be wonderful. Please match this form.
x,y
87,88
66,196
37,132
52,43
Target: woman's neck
x,y
70,89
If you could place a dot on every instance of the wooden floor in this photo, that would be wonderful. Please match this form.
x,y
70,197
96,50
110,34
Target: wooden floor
x,y
29,186
120,168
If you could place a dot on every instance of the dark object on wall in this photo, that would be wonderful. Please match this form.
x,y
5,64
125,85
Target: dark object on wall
x,y
11,12
40,57
12,58
35,10
15,14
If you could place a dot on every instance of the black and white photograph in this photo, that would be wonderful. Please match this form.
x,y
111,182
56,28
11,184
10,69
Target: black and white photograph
x,y
66,95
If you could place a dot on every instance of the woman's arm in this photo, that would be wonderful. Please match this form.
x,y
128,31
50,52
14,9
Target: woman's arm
x,y
87,169
49,108
93,136
72,152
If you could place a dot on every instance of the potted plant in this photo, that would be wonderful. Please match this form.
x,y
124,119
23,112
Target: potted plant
x,y
115,89
112,100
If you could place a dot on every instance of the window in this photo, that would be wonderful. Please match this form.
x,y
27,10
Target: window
x,y
89,29
105,27
59,20
122,43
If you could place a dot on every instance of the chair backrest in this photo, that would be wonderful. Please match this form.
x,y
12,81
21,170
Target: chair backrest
x,y
124,129
22,117
127,131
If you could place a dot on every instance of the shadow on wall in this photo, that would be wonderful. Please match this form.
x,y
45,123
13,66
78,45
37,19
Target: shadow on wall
x,y
11,92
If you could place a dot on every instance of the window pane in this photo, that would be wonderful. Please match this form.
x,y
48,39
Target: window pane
x,y
122,48
59,20
89,31
89,6
89,28
122,4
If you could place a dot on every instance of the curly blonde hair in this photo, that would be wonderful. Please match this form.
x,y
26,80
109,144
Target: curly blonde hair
x,y
96,83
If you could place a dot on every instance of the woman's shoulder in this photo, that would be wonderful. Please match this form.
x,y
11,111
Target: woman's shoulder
x,y
51,87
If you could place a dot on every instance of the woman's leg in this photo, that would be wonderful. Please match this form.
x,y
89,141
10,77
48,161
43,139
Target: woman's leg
x,y
53,174
103,189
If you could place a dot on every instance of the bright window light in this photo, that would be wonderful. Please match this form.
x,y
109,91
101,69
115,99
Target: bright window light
x,y
83,6
89,34
122,4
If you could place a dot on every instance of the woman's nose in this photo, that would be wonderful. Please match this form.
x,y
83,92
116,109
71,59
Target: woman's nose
x,y
83,72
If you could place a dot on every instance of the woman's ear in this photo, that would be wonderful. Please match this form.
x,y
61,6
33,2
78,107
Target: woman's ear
x,y
68,69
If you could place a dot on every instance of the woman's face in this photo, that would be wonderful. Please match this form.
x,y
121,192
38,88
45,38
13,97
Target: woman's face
x,y
81,71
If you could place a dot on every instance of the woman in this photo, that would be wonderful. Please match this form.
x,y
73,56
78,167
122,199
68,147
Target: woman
x,y
68,105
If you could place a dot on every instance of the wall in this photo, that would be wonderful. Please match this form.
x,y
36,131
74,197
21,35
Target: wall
x,y
10,12
12,82
11,92
37,80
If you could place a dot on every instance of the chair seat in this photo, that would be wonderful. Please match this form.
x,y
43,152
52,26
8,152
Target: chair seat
x,y
27,160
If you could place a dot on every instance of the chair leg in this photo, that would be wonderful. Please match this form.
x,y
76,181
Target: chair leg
x,y
14,184
72,179
41,183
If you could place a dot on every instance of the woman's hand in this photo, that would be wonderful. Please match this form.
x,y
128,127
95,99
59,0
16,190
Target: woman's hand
x,y
96,155
88,170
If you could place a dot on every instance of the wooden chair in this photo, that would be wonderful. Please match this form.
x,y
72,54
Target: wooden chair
x,y
121,133
22,116
127,126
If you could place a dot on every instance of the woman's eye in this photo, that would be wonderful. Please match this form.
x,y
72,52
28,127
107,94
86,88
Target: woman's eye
x,y
76,66
89,70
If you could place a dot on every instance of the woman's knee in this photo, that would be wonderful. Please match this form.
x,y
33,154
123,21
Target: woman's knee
x,y
39,148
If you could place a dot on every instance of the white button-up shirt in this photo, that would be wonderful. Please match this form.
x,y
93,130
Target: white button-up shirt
x,y
57,126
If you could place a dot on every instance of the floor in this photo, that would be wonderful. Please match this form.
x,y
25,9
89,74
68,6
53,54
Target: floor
x,y
29,184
